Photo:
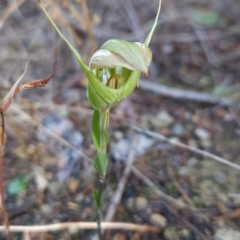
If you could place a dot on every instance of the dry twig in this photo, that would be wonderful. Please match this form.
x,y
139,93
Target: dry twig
x,y
84,226
183,94
184,146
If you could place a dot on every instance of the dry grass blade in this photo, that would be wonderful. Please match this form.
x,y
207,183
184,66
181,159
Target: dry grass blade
x,y
8,99
2,140
36,83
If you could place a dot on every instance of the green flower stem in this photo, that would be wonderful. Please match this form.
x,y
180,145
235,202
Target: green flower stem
x,y
104,121
99,210
103,125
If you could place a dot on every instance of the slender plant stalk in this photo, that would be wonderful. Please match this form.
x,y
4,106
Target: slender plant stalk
x,y
99,210
103,124
104,121
4,212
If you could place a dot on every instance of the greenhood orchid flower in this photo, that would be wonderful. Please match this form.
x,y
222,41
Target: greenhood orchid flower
x,y
116,59
113,73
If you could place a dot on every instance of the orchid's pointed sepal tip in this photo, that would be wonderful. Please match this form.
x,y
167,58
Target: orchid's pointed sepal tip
x,y
145,73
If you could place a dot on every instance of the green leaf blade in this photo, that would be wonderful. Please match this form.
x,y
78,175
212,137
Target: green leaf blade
x,y
101,163
96,129
98,200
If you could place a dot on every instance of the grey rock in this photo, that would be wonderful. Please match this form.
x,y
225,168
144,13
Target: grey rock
x,y
73,230
158,220
74,137
185,233
70,164
171,233
45,209
55,187
184,171
178,130
220,177
163,119
121,149
202,134
137,203
40,178
57,124
226,234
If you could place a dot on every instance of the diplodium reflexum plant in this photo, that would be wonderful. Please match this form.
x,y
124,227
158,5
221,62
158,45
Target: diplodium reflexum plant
x,y
113,73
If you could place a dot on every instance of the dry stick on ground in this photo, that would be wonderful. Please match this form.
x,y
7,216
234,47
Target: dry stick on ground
x,y
177,185
177,203
116,198
188,224
185,146
83,226
182,94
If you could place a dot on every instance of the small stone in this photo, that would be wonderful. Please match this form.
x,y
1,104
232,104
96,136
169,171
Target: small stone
x,y
228,117
73,230
192,162
177,130
74,137
40,178
130,202
141,202
185,233
226,234
163,120
73,185
183,171
45,209
202,134
171,233
79,198
137,203
57,124
235,198
206,143
219,177
158,220
120,236
118,135
55,187
72,205
168,48
121,149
